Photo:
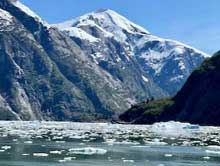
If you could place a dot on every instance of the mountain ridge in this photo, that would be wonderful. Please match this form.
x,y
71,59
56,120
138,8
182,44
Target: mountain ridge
x,y
48,74
154,55
197,102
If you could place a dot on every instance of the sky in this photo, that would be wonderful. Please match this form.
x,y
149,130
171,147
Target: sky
x,y
193,22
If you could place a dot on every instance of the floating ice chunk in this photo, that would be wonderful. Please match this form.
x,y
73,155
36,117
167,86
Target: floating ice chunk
x,y
206,158
168,155
40,154
76,137
61,142
6,147
126,143
62,161
144,146
25,154
156,143
174,128
69,158
58,138
214,147
213,152
28,142
56,152
128,161
88,151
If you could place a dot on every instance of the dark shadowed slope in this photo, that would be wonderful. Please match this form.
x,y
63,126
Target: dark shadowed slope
x,y
197,102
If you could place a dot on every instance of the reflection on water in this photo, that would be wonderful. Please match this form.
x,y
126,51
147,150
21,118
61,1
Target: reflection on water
x,y
82,144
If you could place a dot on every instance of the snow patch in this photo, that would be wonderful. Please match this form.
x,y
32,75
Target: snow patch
x,y
145,78
6,16
6,20
108,21
182,65
177,78
28,11
112,17
79,33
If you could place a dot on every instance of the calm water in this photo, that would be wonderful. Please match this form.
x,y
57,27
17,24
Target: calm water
x,y
80,144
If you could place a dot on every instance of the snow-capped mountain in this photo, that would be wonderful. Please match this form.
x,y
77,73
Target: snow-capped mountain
x,y
90,68
46,75
167,62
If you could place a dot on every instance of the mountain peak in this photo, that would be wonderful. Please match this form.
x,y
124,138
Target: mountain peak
x,y
107,20
101,10
28,11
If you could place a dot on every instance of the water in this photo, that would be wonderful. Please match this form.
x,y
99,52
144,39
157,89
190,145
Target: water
x,y
83,144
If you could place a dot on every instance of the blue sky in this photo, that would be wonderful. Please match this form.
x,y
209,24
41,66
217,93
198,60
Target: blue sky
x,y
194,22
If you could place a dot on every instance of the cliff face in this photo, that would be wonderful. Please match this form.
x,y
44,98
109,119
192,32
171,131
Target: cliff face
x,y
32,85
199,98
197,102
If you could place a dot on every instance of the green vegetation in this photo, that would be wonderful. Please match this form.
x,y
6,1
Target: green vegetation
x,y
197,102
149,110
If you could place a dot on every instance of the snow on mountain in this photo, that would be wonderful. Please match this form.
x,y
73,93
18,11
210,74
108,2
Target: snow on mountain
x,y
106,20
167,62
29,12
95,69
77,32
4,15
6,20
81,74
145,79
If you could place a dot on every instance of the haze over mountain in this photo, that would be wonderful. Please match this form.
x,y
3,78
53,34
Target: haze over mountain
x,y
90,68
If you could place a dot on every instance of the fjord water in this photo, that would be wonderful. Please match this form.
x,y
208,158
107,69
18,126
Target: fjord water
x,y
98,144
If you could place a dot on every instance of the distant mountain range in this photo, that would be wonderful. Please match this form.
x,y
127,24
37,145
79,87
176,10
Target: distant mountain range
x,y
87,69
197,102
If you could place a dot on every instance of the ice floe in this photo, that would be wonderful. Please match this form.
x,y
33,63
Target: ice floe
x,y
158,134
56,152
168,155
128,161
40,154
6,147
88,151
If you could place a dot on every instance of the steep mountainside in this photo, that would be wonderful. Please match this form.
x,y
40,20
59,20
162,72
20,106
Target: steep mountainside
x,y
46,75
113,42
197,102
93,71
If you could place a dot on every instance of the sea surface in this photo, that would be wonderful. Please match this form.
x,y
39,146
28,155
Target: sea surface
x,y
103,144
